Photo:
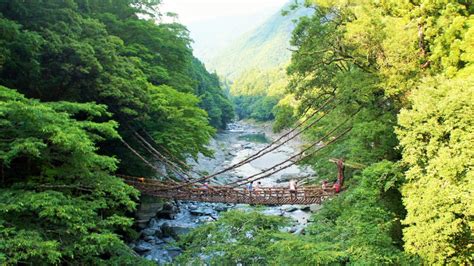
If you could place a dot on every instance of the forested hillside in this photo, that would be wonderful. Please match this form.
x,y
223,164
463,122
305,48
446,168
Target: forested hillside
x,y
256,66
266,47
80,80
257,91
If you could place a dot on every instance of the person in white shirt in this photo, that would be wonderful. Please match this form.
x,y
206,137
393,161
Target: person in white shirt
x,y
292,186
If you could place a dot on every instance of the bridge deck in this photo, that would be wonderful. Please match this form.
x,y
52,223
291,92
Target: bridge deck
x,y
262,196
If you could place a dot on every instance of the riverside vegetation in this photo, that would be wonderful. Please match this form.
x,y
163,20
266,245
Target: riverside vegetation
x,y
78,77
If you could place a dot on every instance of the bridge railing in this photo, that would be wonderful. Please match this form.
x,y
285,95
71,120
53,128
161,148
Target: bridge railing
x,y
262,195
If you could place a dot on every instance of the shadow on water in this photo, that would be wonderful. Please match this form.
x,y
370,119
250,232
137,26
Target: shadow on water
x,y
256,138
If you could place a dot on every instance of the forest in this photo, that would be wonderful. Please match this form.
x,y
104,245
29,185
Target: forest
x,y
402,74
80,79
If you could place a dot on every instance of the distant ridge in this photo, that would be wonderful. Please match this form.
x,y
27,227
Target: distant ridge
x,y
263,48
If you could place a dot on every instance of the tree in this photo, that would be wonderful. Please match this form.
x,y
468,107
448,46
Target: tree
x,y
256,92
59,201
101,51
331,63
213,100
237,237
181,125
391,57
436,134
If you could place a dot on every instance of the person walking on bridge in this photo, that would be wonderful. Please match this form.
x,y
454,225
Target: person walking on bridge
x,y
337,186
250,188
258,188
204,188
292,186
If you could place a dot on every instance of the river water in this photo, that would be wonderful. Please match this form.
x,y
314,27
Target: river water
x,y
242,139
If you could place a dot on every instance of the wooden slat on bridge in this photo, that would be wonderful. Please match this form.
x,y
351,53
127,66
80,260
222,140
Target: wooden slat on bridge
x,y
224,194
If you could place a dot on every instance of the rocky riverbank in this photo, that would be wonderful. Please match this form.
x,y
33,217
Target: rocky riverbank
x,y
157,239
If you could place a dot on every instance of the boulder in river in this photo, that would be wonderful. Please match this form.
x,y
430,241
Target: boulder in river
x,y
153,240
168,211
303,207
153,229
174,252
203,211
289,208
221,207
167,230
175,229
147,210
160,256
142,246
148,232
180,230
192,207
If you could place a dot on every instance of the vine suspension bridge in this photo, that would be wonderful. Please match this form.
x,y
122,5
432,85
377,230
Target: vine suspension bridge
x,y
187,187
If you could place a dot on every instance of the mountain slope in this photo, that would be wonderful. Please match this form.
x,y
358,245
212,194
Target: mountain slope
x,y
216,33
263,48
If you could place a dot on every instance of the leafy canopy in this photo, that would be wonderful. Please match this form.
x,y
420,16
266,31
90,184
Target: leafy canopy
x,y
101,51
59,201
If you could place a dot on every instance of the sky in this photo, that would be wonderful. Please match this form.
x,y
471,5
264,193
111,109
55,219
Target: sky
x,y
193,11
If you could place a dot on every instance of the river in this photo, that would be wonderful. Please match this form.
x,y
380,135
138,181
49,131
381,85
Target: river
x,y
239,141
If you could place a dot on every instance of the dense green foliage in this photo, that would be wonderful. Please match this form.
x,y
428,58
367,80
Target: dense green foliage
x,y
237,237
256,93
58,199
98,74
411,60
437,134
401,76
101,51
363,224
79,77
212,98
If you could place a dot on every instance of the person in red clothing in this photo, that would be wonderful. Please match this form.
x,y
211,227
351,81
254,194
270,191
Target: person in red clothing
x,y
337,186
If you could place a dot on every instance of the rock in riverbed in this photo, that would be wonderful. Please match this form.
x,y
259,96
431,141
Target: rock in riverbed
x,y
289,208
203,211
157,241
143,246
168,212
